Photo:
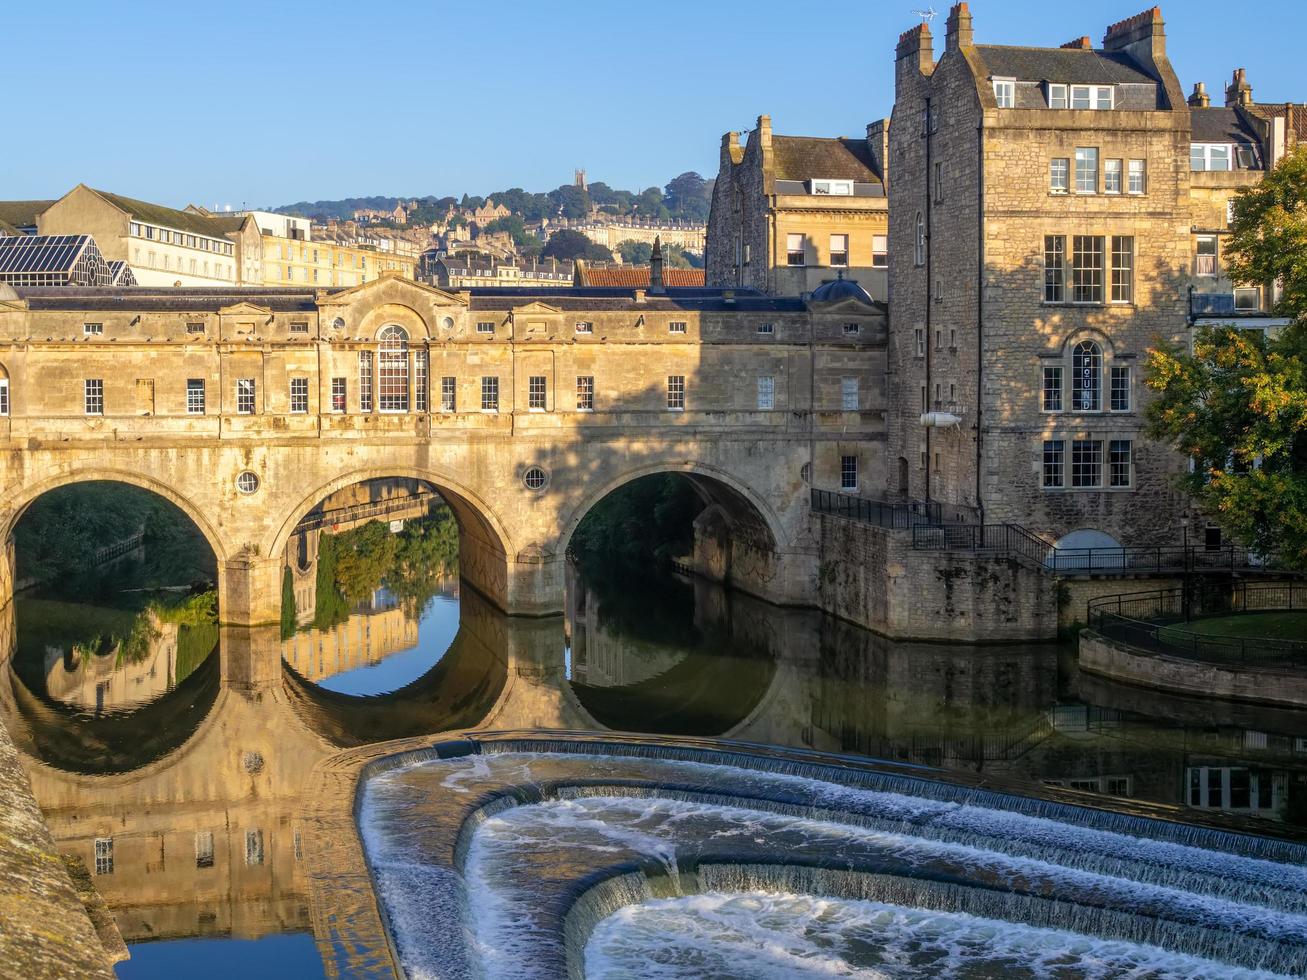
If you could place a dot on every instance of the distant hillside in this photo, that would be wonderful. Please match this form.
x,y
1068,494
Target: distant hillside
x,y
686,197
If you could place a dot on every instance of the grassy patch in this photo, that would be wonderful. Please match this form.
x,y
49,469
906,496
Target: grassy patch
x,y
1261,626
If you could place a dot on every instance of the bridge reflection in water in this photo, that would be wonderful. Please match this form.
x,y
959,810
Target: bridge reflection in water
x,y
190,805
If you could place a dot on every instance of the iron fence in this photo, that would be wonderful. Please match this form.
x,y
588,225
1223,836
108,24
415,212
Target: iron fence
x,y
1158,621
900,514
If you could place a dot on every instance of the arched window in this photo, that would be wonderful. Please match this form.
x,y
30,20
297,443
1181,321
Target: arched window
x,y
1087,377
921,240
392,369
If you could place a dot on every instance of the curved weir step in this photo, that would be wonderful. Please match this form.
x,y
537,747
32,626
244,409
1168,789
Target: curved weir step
x,y
524,841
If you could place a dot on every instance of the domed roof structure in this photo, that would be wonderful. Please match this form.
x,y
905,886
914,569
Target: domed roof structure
x,y
835,290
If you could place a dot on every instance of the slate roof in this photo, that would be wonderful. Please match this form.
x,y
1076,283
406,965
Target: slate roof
x,y
1219,125
212,226
21,214
1074,65
600,299
637,276
138,299
806,157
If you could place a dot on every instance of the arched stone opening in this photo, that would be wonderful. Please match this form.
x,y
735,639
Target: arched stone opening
x,y
482,550
738,539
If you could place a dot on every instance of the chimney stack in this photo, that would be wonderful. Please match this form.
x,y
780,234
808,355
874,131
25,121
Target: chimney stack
x,y
957,30
764,131
1239,92
656,264
1199,99
1080,44
916,50
1145,28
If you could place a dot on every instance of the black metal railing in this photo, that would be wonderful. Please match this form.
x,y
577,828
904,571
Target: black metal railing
x,y
1015,541
894,514
1160,622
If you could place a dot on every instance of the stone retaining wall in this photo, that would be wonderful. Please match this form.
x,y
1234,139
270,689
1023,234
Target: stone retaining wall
x,y
45,932
1099,655
873,577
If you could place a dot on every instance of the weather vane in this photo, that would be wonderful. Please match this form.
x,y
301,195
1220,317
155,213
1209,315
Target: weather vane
x,y
926,15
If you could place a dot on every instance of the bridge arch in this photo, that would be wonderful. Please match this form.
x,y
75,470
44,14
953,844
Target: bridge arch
x,y
717,487
26,495
483,542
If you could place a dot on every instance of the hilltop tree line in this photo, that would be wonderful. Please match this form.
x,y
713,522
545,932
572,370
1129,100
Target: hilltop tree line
x,y
686,197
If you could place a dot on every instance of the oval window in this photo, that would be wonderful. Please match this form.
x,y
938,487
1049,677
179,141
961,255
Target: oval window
x,y
535,478
247,482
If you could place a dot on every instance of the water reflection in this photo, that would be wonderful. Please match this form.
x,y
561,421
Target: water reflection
x,y
179,778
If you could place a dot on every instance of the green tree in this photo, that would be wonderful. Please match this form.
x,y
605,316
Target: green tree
x,y
688,196
635,253
570,201
514,226
288,612
1237,405
566,244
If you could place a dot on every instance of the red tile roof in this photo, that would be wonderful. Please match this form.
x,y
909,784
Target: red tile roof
x,y
637,276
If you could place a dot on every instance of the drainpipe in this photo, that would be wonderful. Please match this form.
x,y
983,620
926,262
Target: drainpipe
x,y
930,343
980,303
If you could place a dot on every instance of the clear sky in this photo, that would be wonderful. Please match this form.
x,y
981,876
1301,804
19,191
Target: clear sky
x,y
270,102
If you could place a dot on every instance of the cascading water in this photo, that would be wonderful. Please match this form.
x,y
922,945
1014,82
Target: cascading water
x,y
527,861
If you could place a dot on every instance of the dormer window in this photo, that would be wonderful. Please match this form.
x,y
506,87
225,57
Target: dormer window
x,y
1092,97
1057,98
833,188
1211,156
1005,92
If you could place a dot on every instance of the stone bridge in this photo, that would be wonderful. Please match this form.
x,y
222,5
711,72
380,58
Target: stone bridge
x,y
523,409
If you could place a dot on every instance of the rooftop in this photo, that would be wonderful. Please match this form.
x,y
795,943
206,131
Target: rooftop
x,y
1073,65
638,276
1220,125
213,226
21,214
806,157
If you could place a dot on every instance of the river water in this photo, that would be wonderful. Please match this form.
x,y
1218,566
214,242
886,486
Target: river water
x,y
171,755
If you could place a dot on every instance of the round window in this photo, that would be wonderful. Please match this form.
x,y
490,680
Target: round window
x,y
338,323
247,482
447,323
535,478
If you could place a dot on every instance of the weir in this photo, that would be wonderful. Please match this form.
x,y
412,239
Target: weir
x,y
534,842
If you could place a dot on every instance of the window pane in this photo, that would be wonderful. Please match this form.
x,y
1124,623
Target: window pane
x,y
1136,177
1112,176
848,473
1052,389
1087,269
1054,463
1059,175
365,381
1120,389
1087,463
585,393
1123,248
849,394
1054,268
676,391
392,370
448,394
1087,368
535,395
1119,462
766,393
1086,170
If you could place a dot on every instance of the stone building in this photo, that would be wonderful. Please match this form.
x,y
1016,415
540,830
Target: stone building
x,y
523,407
163,246
1049,213
791,212
470,270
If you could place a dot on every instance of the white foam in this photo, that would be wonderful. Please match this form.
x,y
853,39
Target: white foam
x,y
765,936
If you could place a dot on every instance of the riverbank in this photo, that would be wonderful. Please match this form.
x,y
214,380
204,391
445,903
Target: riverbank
x,y
45,930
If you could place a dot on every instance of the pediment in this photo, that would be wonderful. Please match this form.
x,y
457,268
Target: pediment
x,y
245,309
393,288
537,308
848,305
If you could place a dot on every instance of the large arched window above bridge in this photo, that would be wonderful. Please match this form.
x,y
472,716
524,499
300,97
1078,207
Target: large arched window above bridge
x,y
393,369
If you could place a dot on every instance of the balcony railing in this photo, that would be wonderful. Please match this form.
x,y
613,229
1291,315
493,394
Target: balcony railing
x,y
901,515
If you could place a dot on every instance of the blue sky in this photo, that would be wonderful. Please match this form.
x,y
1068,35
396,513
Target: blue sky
x,y
270,102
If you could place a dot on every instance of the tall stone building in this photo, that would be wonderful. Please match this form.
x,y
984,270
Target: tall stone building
x,y
1044,217
791,212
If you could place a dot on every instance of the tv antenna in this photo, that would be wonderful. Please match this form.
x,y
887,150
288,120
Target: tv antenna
x,y
926,15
